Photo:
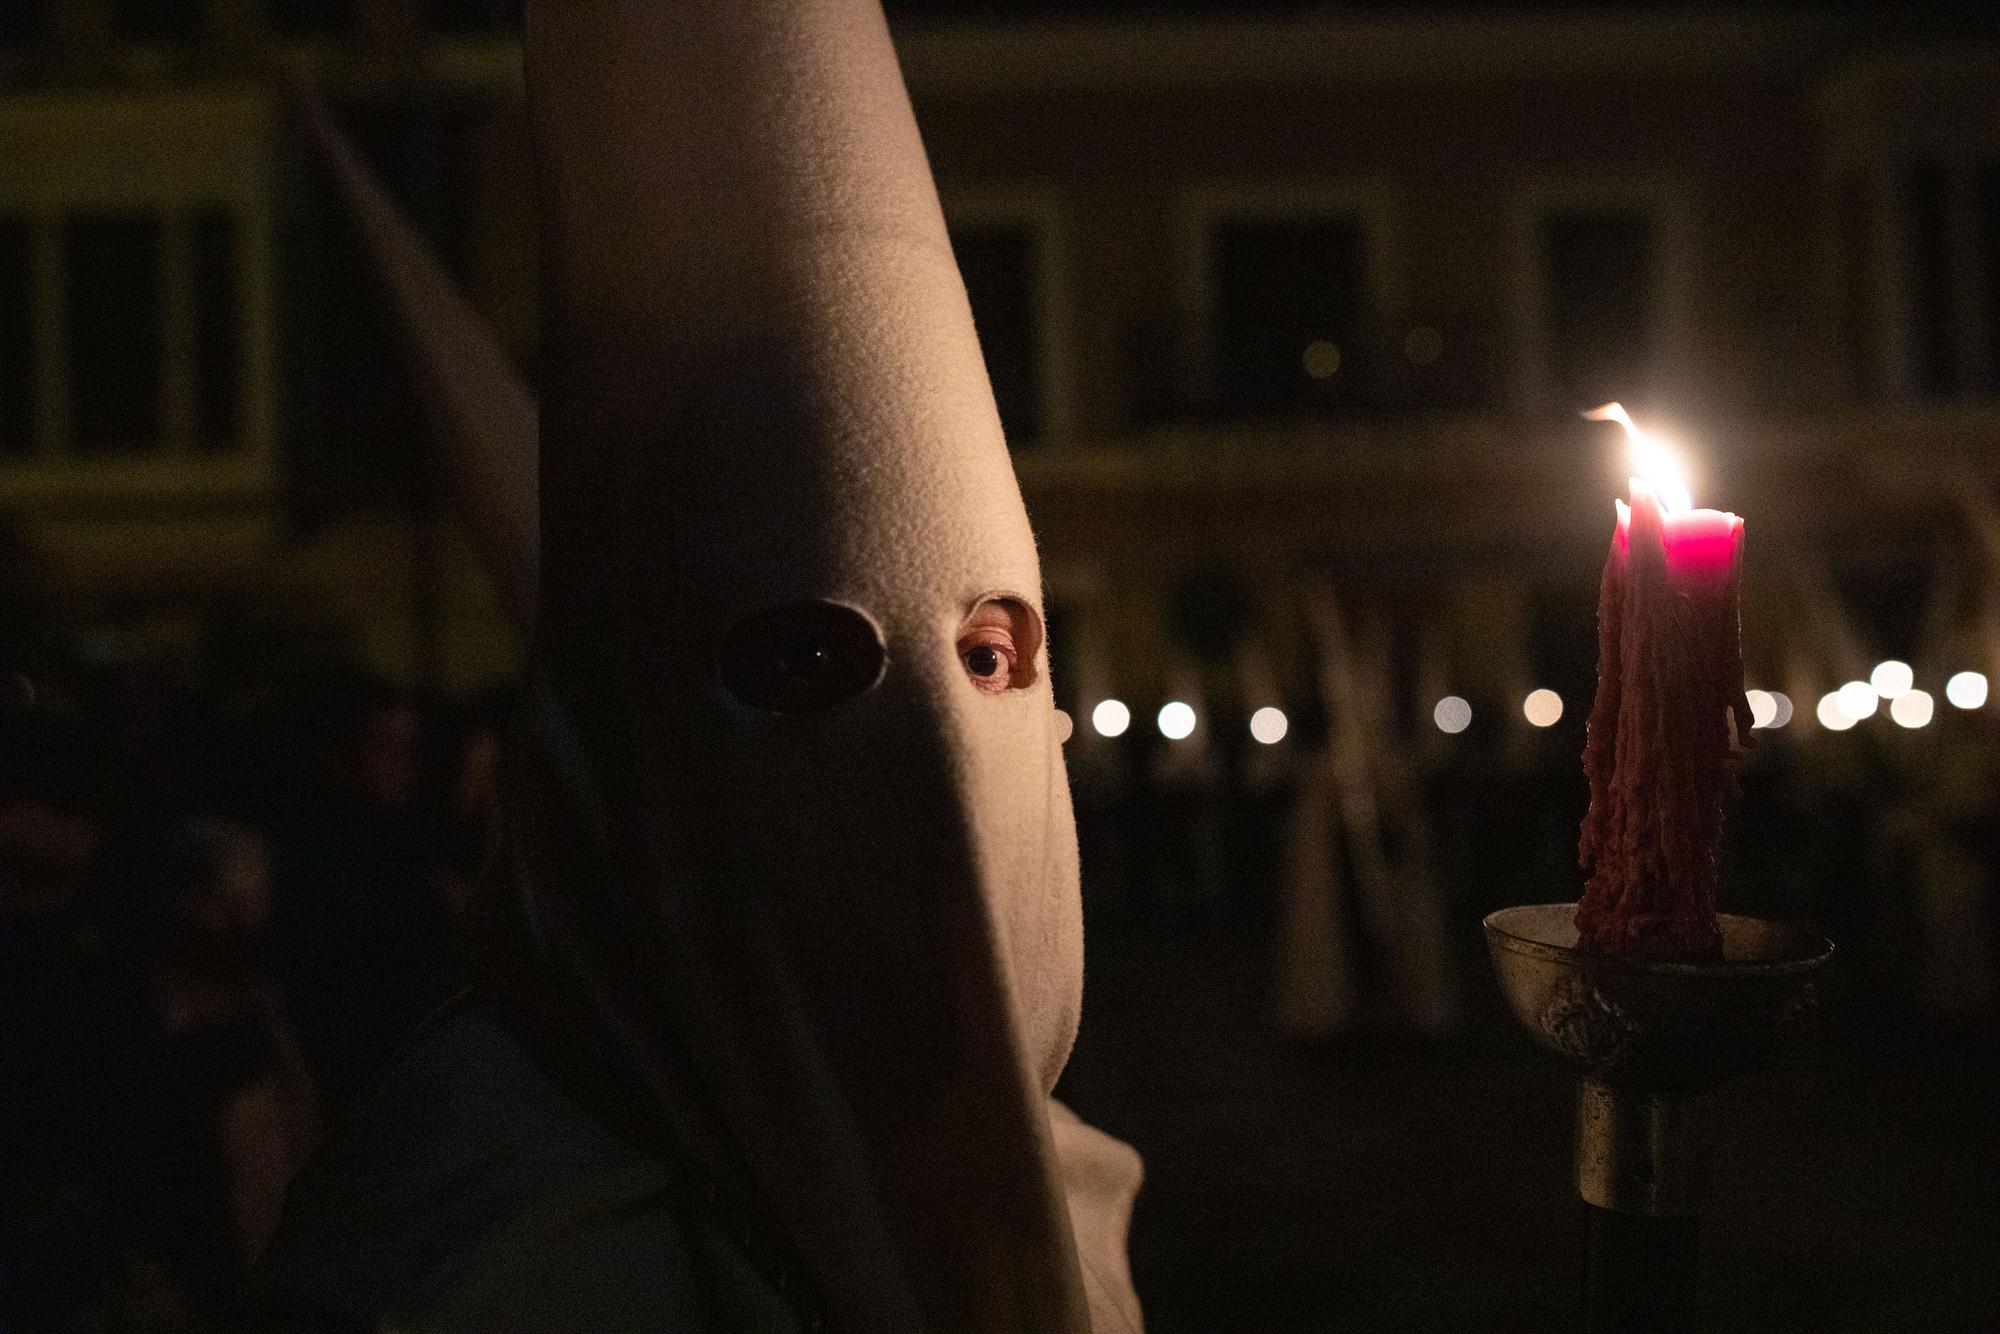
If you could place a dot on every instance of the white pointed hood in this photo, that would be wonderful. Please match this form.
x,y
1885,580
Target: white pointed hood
x,y
774,836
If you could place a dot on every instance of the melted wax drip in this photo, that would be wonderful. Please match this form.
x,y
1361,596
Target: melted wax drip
x,y
1669,718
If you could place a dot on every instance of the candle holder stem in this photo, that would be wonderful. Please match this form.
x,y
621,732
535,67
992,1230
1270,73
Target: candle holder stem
x,y
1638,1151
1638,1172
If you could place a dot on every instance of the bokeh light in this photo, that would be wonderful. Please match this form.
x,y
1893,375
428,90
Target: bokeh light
x,y
1543,707
1831,716
1763,707
1176,721
1320,359
1111,718
1269,725
1912,708
1783,702
1065,726
1891,678
1858,700
1966,690
1452,714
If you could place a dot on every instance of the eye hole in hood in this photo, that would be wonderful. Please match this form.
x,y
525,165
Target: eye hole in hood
x,y
999,642
801,657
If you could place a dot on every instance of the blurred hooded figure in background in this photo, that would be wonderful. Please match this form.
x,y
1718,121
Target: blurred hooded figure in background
x,y
781,956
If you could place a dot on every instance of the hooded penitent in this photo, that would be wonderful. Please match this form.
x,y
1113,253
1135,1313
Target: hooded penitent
x,y
789,843
788,834
493,465
817,869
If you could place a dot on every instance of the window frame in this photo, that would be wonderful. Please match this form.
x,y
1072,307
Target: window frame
x,y
1878,116
1896,331
1665,202
1369,203
171,158
1040,210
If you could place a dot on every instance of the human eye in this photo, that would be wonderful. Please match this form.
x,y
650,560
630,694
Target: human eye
x,y
997,645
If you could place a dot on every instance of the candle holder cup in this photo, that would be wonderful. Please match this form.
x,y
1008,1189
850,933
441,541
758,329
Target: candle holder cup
x,y
1645,1039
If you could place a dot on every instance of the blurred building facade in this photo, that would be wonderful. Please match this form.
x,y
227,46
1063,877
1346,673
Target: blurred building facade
x,y
1269,301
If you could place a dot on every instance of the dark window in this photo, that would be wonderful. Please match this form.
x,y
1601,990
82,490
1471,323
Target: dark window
x,y
1288,322
216,344
113,313
1933,309
1600,303
17,334
998,262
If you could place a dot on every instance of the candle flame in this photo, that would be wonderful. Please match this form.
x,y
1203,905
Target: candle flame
x,y
1654,461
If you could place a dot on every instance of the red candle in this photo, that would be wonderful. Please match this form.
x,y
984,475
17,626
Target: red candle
x,y
1669,718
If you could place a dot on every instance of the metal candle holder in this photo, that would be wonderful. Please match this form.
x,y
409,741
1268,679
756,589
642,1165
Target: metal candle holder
x,y
1645,1039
